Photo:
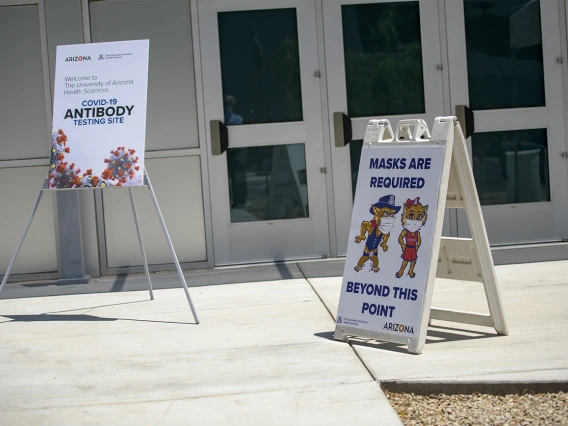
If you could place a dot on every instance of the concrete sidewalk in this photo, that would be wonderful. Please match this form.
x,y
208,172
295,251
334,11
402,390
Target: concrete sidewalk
x,y
461,357
263,353
258,357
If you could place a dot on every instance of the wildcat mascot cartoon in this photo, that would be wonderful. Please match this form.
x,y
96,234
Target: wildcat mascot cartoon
x,y
413,218
377,231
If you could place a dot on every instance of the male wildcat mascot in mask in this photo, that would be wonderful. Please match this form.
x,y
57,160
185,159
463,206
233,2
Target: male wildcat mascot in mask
x,y
377,231
413,218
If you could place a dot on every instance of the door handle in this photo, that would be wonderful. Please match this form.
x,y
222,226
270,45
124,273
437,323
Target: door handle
x,y
465,118
219,137
342,129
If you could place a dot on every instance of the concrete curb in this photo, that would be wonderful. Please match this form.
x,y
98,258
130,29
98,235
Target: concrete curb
x,y
495,388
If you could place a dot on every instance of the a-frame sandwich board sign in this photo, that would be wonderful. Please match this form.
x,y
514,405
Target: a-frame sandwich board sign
x,y
396,249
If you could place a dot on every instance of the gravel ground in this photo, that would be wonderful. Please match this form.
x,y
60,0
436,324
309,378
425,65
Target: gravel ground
x,y
481,409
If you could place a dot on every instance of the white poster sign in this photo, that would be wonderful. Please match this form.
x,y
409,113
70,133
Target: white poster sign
x,y
99,115
391,236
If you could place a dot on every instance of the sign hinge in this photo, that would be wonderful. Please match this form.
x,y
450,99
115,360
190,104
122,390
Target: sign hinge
x,y
564,154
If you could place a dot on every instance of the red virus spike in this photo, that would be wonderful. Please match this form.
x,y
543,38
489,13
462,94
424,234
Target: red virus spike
x,y
137,168
94,180
72,166
116,153
67,150
118,184
127,165
107,160
89,171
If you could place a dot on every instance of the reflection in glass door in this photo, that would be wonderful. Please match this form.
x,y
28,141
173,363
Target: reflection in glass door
x,y
383,60
503,66
267,190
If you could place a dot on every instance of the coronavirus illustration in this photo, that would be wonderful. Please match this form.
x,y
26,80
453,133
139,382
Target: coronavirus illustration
x,y
121,166
91,180
58,148
65,176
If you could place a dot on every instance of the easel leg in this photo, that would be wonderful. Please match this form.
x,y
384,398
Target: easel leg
x,y
141,243
172,250
7,274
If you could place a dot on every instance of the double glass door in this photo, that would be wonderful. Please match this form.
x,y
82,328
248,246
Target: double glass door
x,y
505,60
383,60
276,72
261,80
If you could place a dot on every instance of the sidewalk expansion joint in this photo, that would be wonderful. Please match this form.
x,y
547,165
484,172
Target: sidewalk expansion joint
x,y
333,318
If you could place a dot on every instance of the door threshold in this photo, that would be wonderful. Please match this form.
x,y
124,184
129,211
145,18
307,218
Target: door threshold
x,y
529,253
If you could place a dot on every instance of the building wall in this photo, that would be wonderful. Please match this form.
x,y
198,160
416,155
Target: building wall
x,y
110,244
24,151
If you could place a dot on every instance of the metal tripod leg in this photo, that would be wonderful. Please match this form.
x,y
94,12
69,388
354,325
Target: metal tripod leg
x,y
172,250
7,274
141,242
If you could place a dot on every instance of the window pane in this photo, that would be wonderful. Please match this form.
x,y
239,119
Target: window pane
x,y
383,59
504,54
511,167
268,183
355,148
260,66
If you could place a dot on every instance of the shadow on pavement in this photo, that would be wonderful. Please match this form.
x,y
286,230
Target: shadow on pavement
x,y
435,334
55,317
81,317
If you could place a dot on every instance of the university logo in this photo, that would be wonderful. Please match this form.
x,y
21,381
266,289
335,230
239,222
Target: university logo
x,y
401,328
339,321
101,57
77,58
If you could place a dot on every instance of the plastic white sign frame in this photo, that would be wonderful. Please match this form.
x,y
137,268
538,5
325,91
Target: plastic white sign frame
x,y
456,185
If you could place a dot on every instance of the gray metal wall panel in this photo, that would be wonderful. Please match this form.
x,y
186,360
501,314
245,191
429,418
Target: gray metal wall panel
x,y
63,19
22,107
39,252
89,229
172,110
177,183
63,28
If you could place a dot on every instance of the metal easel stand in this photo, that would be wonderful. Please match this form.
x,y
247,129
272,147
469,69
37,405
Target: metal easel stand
x,y
148,184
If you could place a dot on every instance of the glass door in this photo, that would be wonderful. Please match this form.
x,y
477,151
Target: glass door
x,y
505,64
383,60
261,81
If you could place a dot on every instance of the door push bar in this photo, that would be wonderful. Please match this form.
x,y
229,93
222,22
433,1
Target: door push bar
x,y
342,129
219,137
465,118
